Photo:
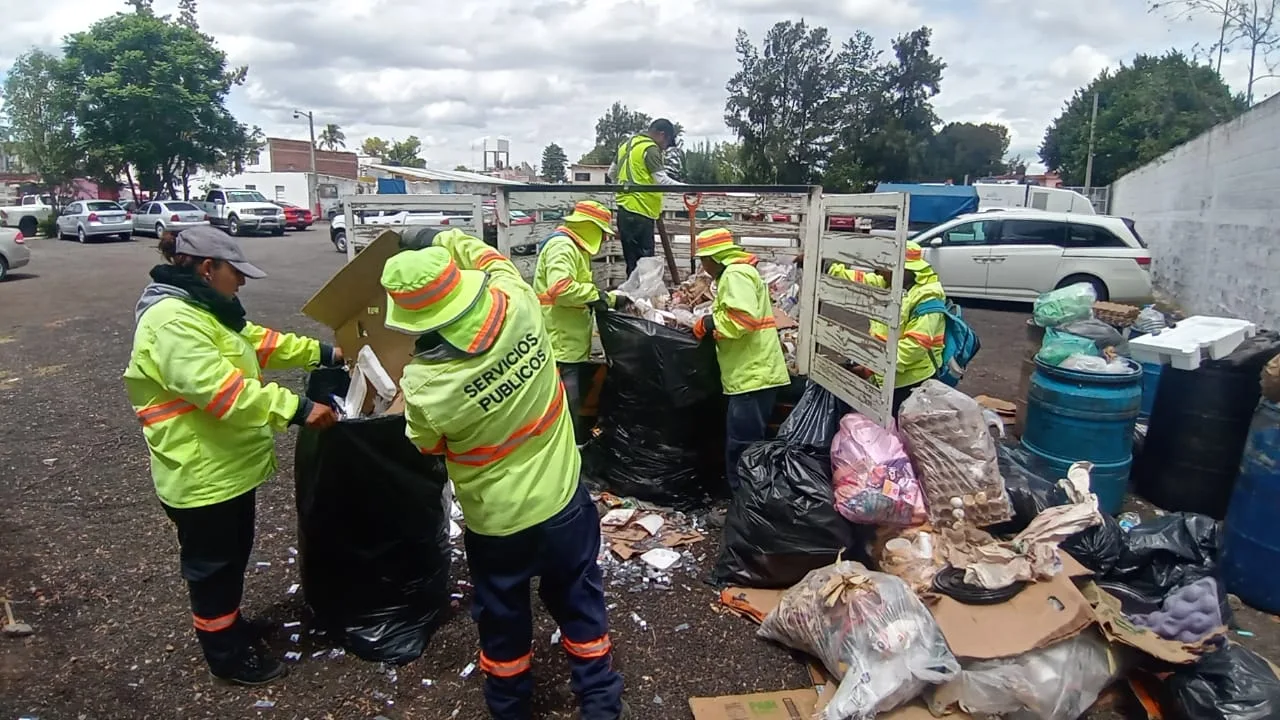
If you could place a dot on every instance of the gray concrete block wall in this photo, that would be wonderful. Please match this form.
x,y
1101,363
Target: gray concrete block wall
x,y
1210,211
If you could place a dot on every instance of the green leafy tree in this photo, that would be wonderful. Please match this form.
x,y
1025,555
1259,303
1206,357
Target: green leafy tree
x,y
38,114
1250,25
709,163
901,121
405,153
187,14
376,147
961,150
1144,110
860,97
332,137
553,164
151,95
783,103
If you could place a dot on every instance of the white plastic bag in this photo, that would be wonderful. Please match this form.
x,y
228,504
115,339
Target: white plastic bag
x,y
870,629
646,281
1059,682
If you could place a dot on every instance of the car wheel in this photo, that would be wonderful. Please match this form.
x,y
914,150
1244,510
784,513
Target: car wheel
x,y
28,227
159,229
81,236
4,268
1099,287
278,232
127,237
233,225
340,241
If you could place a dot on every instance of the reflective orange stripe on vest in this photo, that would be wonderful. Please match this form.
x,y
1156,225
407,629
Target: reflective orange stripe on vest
x,y
506,668
589,650
218,624
492,323
481,456
926,341
153,414
750,323
267,347
226,397
553,292
488,258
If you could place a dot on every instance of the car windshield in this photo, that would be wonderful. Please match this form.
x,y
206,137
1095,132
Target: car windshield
x,y
102,205
1133,228
237,196
181,206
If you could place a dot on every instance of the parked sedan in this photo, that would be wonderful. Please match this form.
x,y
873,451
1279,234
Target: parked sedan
x,y
298,218
154,218
86,219
13,251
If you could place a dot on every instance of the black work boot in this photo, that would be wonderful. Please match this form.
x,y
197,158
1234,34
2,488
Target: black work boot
x,y
260,628
256,668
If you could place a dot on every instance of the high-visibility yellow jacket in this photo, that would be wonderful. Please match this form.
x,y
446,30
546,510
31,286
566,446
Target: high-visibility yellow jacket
x,y
746,334
499,417
208,418
565,286
921,341
633,170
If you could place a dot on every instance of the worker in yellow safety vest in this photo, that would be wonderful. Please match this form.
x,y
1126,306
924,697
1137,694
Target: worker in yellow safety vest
x,y
568,294
482,391
752,366
639,161
923,336
195,382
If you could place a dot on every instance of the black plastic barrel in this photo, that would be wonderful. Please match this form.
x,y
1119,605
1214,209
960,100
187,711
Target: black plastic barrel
x,y
1199,426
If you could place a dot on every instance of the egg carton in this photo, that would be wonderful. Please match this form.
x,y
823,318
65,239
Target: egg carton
x,y
1185,345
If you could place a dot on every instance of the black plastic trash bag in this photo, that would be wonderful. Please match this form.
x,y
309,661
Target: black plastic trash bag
x,y
783,521
1168,552
373,533
1233,683
815,419
1030,491
661,418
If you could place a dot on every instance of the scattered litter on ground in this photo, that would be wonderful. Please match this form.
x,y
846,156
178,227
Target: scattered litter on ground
x,y
293,589
293,656
264,704
466,671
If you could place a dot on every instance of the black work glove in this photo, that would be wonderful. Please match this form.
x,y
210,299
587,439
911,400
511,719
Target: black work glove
x,y
601,303
707,328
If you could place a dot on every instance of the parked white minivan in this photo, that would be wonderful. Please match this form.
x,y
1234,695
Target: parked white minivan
x,y
1018,255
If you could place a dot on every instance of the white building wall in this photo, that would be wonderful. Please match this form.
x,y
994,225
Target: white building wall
x,y
290,187
1210,210
591,174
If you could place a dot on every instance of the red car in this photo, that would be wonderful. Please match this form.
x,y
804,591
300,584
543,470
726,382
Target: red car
x,y
298,218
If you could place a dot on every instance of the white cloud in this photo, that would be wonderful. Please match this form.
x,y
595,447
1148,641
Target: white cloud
x,y
540,71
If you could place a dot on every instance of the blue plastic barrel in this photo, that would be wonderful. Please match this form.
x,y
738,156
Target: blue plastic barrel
x,y
1251,546
1150,384
1074,415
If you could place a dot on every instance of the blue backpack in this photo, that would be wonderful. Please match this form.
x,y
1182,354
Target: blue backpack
x,y
961,343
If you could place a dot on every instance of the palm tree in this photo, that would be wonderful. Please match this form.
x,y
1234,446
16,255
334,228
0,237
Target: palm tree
x,y
332,137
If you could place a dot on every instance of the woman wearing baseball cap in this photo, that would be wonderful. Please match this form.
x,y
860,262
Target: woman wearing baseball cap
x,y
195,382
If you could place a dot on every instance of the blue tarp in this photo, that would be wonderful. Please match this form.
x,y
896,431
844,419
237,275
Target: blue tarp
x,y
934,204
391,186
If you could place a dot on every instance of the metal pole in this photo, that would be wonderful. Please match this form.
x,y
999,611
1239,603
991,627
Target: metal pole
x,y
312,200
1088,168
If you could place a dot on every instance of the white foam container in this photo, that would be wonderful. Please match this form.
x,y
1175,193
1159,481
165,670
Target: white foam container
x,y
1184,346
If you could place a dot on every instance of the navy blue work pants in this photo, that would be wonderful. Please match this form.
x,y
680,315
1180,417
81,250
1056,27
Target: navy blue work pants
x,y
747,423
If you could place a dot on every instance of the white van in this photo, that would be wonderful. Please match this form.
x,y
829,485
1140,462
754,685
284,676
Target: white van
x,y
1033,197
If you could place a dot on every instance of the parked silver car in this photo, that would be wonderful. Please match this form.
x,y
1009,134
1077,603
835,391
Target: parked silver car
x,y
85,219
154,218
13,251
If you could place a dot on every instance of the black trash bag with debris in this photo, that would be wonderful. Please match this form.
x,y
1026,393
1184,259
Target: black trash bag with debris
x,y
1233,683
1169,552
1030,491
782,522
815,419
661,414
1103,335
373,532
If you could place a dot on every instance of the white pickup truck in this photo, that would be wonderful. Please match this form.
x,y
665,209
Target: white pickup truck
x,y
27,215
242,211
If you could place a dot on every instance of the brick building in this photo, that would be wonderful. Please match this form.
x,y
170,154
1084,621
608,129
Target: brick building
x,y
281,155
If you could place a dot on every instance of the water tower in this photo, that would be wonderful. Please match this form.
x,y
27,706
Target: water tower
x,y
497,153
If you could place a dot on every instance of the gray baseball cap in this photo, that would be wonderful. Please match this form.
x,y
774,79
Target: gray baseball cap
x,y
206,241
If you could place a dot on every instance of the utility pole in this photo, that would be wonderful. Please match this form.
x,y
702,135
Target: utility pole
x,y
1088,168
312,201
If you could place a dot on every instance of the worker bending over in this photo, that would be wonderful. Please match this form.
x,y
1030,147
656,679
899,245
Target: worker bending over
x,y
482,390
640,161
923,335
752,365
568,295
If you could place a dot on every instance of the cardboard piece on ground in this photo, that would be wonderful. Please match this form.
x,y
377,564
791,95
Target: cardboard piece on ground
x,y
1000,407
751,603
1042,614
1118,628
353,304
799,704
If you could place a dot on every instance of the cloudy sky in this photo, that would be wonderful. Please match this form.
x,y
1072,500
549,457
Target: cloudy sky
x,y
540,71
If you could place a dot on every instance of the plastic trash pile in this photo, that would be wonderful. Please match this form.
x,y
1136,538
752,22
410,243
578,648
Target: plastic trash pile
x,y
1076,340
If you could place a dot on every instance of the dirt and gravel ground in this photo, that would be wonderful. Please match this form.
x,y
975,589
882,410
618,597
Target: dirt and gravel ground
x,y
91,562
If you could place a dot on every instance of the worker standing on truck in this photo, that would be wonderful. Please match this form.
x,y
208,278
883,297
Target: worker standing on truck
x,y
640,161
923,335
483,391
195,381
568,294
752,366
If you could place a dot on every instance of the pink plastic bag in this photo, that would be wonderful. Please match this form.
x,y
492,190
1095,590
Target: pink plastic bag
x,y
873,478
